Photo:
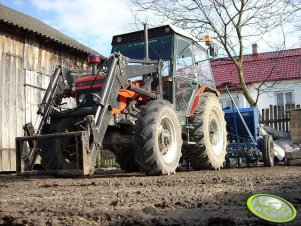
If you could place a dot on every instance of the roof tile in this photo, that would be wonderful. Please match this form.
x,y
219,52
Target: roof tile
x,y
270,66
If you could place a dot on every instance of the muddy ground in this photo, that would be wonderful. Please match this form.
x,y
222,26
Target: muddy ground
x,y
117,198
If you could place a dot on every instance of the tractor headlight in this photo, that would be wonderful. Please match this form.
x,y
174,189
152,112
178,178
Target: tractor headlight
x,y
81,97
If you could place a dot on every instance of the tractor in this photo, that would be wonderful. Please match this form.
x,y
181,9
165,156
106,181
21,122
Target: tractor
x,y
152,103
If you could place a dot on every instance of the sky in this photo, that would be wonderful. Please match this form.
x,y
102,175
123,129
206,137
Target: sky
x,y
94,22
91,22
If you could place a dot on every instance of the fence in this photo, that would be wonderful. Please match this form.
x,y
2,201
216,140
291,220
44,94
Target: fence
x,y
278,117
105,159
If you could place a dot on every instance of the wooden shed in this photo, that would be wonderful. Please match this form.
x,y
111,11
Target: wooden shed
x,y
28,51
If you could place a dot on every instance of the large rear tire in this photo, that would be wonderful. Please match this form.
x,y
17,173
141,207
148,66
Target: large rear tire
x,y
209,134
158,138
60,154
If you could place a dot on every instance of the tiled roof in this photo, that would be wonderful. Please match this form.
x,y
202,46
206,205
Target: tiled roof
x,y
17,19
270,66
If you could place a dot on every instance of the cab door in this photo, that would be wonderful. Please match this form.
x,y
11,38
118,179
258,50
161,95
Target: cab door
x,y
185,76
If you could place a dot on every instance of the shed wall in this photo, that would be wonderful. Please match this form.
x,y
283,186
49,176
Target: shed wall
x,y
26,61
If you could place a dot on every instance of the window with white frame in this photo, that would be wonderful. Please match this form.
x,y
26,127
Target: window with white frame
x,y
284,98
227,103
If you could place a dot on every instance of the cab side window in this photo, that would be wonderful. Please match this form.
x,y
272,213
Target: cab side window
x,y
202,66
184,55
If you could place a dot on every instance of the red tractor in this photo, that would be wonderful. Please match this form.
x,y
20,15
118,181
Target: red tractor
x,y
153,101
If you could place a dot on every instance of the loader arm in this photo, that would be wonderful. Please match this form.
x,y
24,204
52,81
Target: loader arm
x,y
117,76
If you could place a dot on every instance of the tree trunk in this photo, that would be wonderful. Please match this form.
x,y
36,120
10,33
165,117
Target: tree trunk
x,y
244,87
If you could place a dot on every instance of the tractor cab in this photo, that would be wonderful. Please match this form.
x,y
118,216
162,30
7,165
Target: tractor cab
x,y
185,60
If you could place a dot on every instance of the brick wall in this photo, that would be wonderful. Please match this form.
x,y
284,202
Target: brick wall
x,y
295,123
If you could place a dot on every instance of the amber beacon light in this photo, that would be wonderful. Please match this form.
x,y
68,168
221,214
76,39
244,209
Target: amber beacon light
x,y
207,39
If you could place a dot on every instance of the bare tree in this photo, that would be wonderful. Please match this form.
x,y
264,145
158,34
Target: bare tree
x,y
231,21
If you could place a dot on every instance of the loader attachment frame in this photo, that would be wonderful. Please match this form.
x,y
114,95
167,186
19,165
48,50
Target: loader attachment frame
x,y
26,167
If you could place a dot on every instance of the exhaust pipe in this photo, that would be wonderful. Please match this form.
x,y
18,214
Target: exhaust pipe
x,y
146,54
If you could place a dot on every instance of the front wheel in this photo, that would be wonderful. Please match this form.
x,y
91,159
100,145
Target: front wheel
x,y
125,157
61,154
158,138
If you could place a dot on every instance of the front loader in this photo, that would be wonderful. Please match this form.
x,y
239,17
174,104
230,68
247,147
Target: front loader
x,y
151,103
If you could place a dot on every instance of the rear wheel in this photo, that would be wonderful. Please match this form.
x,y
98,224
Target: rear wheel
x,y
268,150
158,138
58,154
209,134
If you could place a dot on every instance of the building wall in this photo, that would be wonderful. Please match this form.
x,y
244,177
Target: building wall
x,y
295,123
26,61
269,95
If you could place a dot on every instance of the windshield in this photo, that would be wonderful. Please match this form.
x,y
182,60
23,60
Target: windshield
x,y
159,48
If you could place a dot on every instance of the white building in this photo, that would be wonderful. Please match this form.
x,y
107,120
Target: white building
x,y
276,74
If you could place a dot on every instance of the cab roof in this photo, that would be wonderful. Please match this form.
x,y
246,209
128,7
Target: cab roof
x,y
153,32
